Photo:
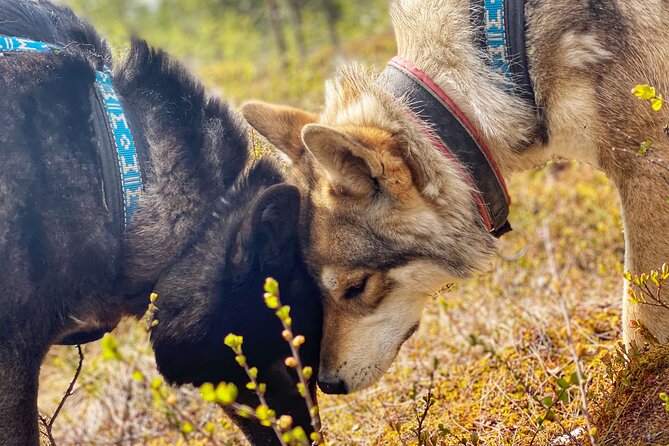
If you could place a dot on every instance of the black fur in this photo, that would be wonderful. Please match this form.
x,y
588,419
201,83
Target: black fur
x,y
212,223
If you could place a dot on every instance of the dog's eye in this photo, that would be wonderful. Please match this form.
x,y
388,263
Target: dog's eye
x,y
357,289
377,185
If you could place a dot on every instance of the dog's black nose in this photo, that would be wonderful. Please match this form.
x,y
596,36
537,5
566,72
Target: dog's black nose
x,y
333,388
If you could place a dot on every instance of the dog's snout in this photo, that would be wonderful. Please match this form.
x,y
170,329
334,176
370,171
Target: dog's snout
x,y
333,388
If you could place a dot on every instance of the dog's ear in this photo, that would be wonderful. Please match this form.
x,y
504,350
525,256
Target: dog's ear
x,y
270,234
352,168
364,161
280,125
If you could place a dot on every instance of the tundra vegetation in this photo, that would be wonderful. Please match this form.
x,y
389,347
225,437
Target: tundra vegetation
x,y
528,354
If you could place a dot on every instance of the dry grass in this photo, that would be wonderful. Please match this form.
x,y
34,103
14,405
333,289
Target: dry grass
x,y
500,342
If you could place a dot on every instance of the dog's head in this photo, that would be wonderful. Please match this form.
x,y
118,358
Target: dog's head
x,y
389,222
216,288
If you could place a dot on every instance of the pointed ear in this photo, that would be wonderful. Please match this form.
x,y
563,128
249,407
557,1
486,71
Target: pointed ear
x,y
273,229
353,169
365,160
280,125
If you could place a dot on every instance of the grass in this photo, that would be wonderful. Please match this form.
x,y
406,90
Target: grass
x,y
485,368
499,341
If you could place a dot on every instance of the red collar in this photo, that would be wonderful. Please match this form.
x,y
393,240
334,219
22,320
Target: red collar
x,y
453,135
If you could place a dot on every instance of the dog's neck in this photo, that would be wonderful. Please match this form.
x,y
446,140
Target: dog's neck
x,y
185,170
438,38
122,151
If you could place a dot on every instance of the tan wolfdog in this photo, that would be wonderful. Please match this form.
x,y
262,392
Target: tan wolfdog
x,y
394,212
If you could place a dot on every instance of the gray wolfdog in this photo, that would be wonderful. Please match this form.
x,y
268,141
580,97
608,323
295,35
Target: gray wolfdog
x,y
210,225
405,170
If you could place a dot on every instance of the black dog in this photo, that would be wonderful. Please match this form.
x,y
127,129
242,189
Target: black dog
x,y
209,226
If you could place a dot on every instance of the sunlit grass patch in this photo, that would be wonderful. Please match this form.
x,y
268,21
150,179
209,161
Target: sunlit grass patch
x,y
120,398
489,391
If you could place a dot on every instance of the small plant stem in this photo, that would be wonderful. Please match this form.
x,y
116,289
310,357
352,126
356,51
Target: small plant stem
x,y
656,296
241,409
127,410
48,424
521,382
429,402
656,163
615,420
548,410
273,301
263,401
548,243
313,411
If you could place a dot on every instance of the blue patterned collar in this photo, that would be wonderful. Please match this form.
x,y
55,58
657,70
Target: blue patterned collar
x,y
501,35
127,173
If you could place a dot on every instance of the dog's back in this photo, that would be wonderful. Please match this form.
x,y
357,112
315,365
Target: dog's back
x,y
57,252
54,224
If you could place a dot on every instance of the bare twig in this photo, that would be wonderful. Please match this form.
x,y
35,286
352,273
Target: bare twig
x,y
656,163
273,301
47,423
429,402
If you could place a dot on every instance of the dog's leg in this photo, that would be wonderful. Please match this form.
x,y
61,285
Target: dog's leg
x,y
19,377
646,219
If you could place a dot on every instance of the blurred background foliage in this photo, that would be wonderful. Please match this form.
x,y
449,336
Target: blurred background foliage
x,y
276,50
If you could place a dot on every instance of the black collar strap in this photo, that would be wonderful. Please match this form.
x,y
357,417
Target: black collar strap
x,y
500,32
111,182
452,133
111,178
